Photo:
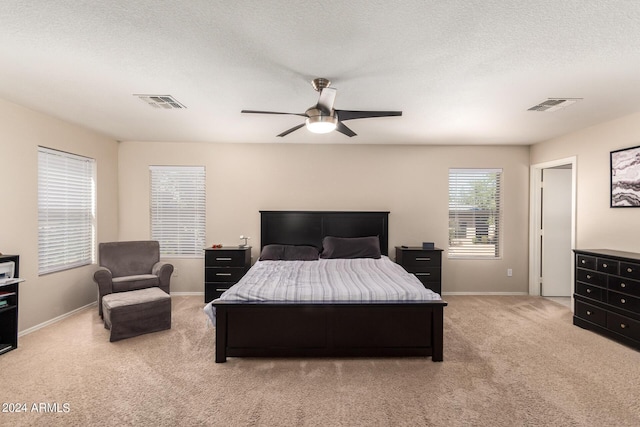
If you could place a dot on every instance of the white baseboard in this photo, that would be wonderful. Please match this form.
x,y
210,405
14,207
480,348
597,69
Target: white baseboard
x,y
56,319
486,293
183,294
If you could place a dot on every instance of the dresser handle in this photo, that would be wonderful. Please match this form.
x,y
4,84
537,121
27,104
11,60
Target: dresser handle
x,y
629,270
223,259
223,274
423,259
221,290
588,290
623,285
622,300
588,313
588,276
423,274
622,325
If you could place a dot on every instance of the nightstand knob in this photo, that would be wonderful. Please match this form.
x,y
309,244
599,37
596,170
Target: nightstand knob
x,y
622,325
223,274
605,265
588,276
223,259
622,300
629,270
623,285
588,313
583,261
423,259
588,290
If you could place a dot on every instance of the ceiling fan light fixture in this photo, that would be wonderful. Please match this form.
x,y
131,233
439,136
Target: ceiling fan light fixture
x,y
321,124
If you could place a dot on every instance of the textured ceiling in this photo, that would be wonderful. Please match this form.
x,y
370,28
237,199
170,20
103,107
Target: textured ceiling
x,y
462,72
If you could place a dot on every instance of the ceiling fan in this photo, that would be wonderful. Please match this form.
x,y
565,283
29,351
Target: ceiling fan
x,y
322,117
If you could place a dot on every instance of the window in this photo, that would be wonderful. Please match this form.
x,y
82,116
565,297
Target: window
x,y
66,210
474,213
178,210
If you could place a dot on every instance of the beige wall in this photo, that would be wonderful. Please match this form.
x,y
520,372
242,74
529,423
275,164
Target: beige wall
x,y
43,298
409,181
597,225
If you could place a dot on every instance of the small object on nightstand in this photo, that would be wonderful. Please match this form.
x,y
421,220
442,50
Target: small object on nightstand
x,y
245,238
428,246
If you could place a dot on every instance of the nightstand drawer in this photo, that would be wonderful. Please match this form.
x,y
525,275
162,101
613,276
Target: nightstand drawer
x,y
591,313
426,274
591,277
222,258
623,326
223,274
214,290
420,259
590,291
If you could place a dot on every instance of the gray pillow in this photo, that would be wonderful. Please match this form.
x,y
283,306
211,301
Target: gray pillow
x,y
272,253
350,247
289,253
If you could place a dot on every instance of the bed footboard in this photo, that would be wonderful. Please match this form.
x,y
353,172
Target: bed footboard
x,y
323,330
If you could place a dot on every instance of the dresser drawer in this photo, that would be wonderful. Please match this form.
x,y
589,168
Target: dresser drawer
x,y
222,258
608,266
627,286
623,301
591,313
591,277
590,291
223,274
585,261
623,326
630,270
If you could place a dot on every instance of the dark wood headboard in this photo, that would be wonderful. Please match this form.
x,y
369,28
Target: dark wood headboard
x,y
310,227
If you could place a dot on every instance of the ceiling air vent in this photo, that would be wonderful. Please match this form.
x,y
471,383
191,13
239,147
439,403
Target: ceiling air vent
x,y
554,104
166,102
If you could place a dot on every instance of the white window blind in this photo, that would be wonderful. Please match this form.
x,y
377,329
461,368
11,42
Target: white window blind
x,y
66,210
474,213
178,209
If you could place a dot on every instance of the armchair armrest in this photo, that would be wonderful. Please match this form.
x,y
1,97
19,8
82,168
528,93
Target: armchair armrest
x,y
104,279
163,270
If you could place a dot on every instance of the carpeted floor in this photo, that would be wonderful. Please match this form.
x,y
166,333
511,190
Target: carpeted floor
x,y
509,361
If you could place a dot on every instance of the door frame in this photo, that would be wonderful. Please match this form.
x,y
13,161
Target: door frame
x,y
535,214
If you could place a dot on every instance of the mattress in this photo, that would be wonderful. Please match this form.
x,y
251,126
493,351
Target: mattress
x,y
360,280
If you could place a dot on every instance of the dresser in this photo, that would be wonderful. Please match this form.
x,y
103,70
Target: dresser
x,y
223,268
426,264
607,293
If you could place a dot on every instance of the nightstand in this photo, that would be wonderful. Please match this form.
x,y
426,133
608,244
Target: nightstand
x,y
426,264
223,268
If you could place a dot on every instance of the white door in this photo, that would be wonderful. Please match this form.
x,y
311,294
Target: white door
x,y
556,233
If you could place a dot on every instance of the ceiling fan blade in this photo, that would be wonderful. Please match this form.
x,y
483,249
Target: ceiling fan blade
x,y
326,99
287,132
272,112
350,114
345,130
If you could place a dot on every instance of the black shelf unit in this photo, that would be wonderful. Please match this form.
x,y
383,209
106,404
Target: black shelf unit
x,y
9,308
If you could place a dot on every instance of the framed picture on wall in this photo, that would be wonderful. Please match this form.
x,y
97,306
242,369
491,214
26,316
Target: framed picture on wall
x,y
625,178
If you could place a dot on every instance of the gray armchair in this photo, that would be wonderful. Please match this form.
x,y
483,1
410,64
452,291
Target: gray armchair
x,y
127,266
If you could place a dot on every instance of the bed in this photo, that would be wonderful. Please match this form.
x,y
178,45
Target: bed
x,y
323,329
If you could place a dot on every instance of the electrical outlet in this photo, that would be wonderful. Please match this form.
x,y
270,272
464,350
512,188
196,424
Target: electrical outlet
x,y
509,272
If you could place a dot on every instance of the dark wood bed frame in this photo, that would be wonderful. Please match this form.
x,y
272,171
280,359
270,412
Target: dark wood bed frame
x,y
331,329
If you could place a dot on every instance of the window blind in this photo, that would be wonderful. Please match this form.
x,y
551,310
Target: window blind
x,y
474,213
66,210
178,209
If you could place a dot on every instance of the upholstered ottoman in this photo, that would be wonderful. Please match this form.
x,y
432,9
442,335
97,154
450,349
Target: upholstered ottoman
x,y
132,313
